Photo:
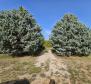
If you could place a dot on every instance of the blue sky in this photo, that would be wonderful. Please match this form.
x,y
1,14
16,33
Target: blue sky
x,y
48,12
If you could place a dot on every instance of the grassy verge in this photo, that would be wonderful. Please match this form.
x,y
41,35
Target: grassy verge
x,y
14,68
80,69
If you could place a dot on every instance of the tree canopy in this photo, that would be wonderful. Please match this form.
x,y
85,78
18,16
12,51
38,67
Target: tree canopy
x,y
71,37
19,33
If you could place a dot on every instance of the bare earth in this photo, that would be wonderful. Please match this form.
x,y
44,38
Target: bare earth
x,y
56,67
53,67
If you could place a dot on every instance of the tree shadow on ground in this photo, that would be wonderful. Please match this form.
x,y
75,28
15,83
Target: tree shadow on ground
x,y
22,81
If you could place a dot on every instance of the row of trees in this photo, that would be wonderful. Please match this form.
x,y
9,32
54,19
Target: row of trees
x,y
20,35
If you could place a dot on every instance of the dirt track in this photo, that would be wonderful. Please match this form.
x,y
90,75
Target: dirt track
x,y
55,68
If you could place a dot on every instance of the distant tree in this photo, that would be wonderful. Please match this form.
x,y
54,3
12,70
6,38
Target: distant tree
x,y
70,37
47,44
19,33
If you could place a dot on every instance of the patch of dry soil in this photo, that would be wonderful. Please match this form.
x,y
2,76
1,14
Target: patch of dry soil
x,y
53,68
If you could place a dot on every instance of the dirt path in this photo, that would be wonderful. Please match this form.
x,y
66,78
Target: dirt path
x,y
54,67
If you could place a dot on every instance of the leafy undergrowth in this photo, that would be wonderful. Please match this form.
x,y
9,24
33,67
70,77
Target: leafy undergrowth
x,y
14,68
80,69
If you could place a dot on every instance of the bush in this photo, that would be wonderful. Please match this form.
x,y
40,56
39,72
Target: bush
x,y
47,44
70,37
19,33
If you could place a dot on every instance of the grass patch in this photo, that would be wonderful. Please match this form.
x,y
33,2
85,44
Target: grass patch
x,y
12,68
5,56
80,69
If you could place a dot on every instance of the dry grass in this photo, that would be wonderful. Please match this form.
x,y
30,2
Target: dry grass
x,y
14,68
18,67
80,69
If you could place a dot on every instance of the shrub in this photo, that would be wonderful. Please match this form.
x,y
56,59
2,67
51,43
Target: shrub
x,y
47,44
19,33
70,37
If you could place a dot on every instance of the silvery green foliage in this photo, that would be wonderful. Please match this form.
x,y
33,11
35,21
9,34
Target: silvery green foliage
x,y
70,37
19,33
